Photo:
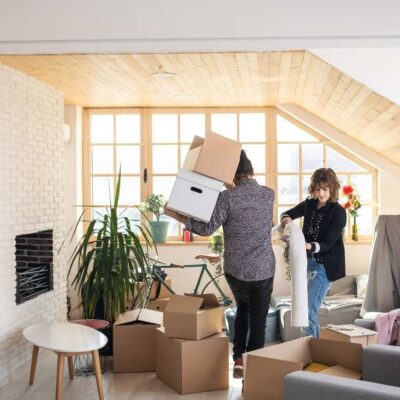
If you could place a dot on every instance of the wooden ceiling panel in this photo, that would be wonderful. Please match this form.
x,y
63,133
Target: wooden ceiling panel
x,y
231,79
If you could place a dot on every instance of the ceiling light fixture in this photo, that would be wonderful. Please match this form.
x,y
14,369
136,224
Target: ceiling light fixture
x,y
161,73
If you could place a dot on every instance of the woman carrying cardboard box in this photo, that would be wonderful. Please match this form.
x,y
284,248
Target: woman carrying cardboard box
x,y
245,212
324,221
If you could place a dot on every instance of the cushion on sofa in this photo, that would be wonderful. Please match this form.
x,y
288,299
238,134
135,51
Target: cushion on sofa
x,y
343,286
361,283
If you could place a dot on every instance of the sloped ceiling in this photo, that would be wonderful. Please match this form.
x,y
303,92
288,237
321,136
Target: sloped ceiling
x,y
223,80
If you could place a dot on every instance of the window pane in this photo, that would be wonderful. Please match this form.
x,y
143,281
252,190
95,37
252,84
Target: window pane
x,y
127,128
129,191
342,180
101,128
184,150
288,132
363,186
252,127
102,160
312,157
281,210
165,128
305,183
163,185
133,214
288,157
225,125
192,124
261,179
98,213
288,189
102,190
340,163
364,220
165,159
173,227
256,154
129,159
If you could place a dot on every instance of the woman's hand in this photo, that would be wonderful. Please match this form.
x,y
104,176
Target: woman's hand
x,y
308,246
179,217
285,221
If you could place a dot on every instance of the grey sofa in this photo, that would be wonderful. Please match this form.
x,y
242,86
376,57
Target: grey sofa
x,y
381,376
340,306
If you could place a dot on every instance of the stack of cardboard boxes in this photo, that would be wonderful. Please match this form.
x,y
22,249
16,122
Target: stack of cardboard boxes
x,y
191,352
209,164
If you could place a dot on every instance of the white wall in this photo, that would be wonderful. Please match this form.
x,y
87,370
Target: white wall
x,y
73,189
32,199
45,26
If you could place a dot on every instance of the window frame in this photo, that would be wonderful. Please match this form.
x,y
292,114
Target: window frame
x,y
271,153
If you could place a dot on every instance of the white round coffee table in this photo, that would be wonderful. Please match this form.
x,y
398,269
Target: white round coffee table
x,y
66,340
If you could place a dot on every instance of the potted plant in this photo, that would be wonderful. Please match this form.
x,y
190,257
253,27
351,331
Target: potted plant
x,y
155,203
111,261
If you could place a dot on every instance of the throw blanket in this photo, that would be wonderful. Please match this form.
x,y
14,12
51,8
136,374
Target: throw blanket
x,y
298,268
388,327
383,290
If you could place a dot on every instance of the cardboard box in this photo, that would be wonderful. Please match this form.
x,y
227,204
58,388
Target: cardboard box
x,y
215,156
164,292
193,317
134,340
158,304
265,368
193,366
349,333
194,195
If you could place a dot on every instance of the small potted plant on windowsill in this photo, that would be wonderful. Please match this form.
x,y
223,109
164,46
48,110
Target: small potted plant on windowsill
x,y
155,203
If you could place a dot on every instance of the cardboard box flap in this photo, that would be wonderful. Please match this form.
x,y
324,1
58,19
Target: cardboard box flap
x,y
209,299
140,315
196,142
184,304
330,353
350,330
127,317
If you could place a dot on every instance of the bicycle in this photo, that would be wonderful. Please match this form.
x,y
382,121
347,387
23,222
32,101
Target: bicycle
x,y
158,275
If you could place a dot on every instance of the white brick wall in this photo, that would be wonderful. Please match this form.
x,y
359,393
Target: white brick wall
x,y
31,200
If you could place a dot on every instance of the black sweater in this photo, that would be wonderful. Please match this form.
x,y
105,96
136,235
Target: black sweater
x,y
330,237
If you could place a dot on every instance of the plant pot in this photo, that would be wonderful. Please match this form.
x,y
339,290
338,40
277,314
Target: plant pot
x,y
159,230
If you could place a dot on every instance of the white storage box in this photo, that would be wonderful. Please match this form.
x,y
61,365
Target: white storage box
x,y
194,195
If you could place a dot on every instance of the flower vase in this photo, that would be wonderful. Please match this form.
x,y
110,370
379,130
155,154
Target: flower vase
x,y
354,232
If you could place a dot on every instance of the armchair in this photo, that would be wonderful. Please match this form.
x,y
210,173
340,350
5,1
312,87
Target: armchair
x,y
380,372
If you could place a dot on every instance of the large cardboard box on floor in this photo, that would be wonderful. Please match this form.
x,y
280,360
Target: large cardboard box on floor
x,y
134,340
349,333
194,195
215,156
192,366
265,368
193,317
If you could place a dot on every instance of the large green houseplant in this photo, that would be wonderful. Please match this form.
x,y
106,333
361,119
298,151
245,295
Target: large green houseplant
x,y
155,203
111,262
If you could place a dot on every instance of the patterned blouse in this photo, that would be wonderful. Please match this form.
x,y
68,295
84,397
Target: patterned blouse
x,y
311,230
245,213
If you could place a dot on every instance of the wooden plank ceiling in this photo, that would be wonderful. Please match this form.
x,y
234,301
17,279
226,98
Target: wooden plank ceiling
x,y
223,80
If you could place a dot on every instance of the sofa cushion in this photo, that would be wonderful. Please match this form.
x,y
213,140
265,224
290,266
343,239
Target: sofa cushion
x,y
361,283
343,286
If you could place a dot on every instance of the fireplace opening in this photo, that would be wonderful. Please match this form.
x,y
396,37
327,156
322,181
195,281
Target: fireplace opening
x,y
34,264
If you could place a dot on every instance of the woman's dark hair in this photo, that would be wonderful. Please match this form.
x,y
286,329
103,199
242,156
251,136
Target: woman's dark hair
x,y
245,168
325,177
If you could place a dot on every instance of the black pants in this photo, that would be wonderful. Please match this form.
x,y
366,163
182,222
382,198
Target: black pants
x,y
252,301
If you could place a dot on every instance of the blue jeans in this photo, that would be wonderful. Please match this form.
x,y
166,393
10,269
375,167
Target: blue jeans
x,y
318,285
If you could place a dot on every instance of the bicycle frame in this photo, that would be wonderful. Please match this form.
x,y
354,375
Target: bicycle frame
x,y
204,270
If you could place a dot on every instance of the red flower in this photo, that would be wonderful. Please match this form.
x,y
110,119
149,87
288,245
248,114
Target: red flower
x,y
347,205
347,189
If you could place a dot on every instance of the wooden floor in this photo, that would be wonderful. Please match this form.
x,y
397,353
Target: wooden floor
x,y
138,386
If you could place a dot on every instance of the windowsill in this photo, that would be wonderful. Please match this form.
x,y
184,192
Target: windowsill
x,y
181,243
358,242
